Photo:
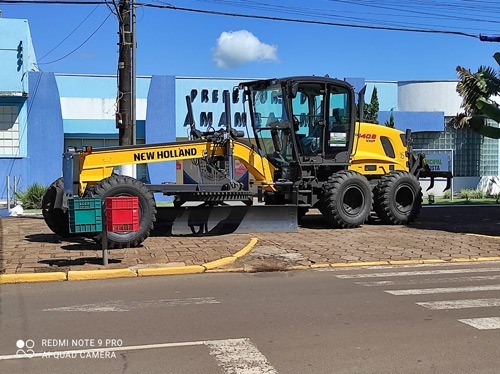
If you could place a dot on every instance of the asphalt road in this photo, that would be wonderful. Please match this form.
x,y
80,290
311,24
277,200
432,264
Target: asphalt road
x,y
414,319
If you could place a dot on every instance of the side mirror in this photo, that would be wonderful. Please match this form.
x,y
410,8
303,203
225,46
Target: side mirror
x,y
361,103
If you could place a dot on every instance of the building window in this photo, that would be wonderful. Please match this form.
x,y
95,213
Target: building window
x,y
9,130
474,155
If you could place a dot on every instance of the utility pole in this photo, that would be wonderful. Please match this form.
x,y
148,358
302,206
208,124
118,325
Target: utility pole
x,y
134,71
124,110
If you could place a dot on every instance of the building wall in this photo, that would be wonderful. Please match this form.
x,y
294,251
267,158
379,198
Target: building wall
x,y
206,96
429,96
88,104
16,55
17,58
45,130
160,127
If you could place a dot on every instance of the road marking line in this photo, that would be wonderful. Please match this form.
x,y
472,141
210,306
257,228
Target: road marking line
x,y
460,304
430,291
121,306
423,272
235,356
429,281
487,323
423,265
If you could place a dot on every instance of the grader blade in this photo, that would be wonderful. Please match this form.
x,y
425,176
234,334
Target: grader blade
x,y
226,219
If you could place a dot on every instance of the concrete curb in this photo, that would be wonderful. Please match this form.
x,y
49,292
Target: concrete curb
x,y
100,274
28,278
211,267
73,275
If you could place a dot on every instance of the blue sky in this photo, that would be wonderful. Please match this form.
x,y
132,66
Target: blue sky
x,y
181,43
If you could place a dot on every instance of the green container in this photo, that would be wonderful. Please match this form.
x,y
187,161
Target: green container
x,y
85,214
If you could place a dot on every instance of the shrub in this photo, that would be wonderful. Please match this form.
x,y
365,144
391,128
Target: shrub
x,y
496,196
447,194
466,193
477,194
32,197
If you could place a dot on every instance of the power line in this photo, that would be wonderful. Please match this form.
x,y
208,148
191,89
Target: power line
x,y
71,33
254,16
296,20
81,45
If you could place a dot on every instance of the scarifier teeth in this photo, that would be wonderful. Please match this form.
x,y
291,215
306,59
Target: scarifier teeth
x,y
431,184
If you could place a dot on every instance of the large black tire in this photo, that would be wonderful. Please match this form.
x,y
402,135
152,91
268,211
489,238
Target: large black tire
x,y
56,218
346,201
398,198
120,185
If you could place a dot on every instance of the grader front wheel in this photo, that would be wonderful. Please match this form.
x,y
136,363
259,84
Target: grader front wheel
x,y
120,185
347,199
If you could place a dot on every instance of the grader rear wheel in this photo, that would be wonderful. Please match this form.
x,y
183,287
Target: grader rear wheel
x,y
398,198
120,185
56,218
347,199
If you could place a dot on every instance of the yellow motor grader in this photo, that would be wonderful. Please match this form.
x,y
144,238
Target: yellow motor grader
x,y
310,150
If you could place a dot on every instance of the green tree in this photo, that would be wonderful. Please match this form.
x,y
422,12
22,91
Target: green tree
x,y
477,90
371,110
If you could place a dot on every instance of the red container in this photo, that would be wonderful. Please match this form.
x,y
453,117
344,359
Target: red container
x,y
122,214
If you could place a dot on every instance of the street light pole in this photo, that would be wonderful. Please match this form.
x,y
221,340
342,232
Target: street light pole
x,y
489,38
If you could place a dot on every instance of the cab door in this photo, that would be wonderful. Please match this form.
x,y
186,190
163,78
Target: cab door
x,y
338,123
309,118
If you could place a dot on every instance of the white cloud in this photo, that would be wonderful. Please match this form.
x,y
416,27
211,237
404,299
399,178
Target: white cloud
x,y
235,48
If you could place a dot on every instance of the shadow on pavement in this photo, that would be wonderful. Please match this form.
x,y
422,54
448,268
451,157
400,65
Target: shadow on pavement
x,y
63,262
43,238
481,220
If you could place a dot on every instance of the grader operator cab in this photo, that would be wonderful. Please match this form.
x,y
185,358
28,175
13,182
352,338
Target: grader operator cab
x,y
309,151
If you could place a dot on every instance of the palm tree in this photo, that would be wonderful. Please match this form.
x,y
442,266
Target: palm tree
x,y
477,90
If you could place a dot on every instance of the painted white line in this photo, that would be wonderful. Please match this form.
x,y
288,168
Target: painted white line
x,y
430,291
430,281
235,356
412,273
111,349
460,304
108,306
121,306
239,356
382,267
488,323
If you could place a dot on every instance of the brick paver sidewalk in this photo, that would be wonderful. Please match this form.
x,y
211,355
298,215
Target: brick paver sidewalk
x,y
439,233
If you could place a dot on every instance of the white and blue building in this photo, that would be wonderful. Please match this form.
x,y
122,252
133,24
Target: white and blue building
x,y
43,113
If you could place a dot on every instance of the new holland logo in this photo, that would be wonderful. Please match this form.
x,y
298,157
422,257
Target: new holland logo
x,y
166,154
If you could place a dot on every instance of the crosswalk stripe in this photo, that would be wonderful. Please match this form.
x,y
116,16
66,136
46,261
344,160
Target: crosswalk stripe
x,y
412,273
430,291
430,281
382,267
460,304
487,323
